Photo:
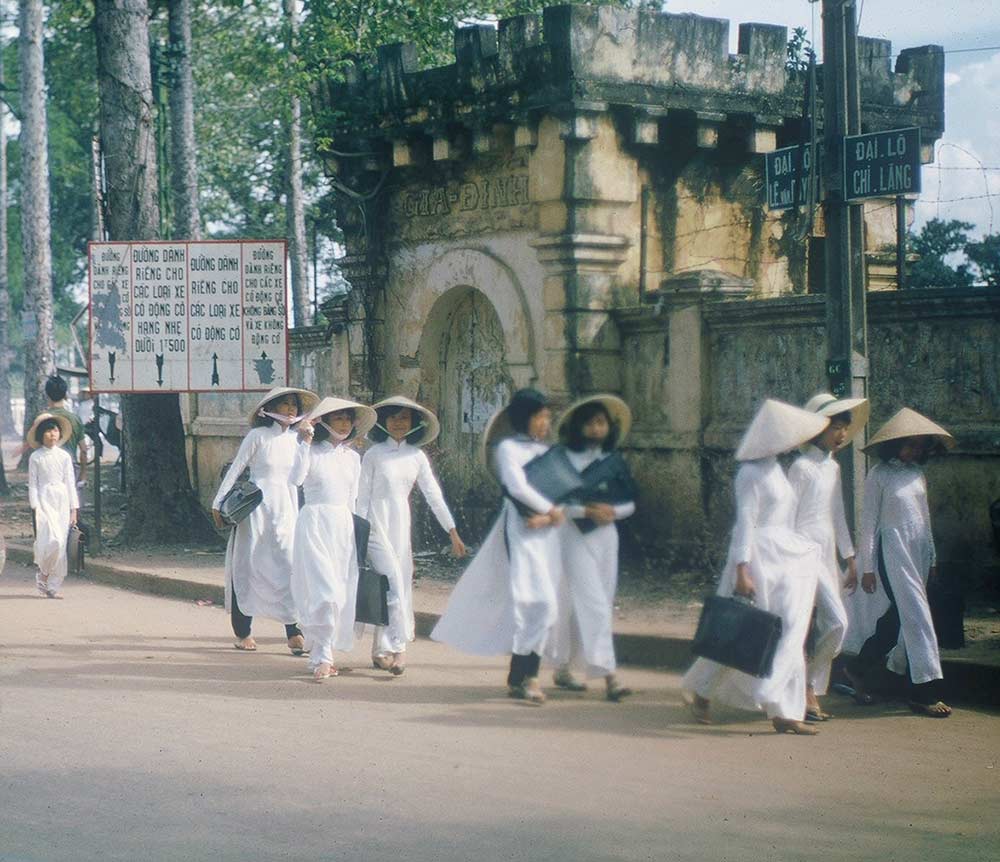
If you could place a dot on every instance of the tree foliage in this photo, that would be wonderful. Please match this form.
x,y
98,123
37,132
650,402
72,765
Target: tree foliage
x,y
937,241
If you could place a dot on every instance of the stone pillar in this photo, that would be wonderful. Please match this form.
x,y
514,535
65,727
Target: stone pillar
x,y
584,243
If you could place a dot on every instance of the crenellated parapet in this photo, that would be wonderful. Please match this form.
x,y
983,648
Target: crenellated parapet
x,y
657,68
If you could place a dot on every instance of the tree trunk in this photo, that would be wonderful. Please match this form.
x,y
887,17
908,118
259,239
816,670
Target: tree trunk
x,y
294,203
6,413
184,170
39,351
162,507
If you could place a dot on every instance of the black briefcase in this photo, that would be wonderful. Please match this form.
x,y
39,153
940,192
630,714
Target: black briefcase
x,y
736,634
553,476
372,605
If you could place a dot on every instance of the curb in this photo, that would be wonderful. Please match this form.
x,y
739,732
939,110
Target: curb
x,y
966,682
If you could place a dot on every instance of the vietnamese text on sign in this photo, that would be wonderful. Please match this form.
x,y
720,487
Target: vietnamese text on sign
x,y
882,164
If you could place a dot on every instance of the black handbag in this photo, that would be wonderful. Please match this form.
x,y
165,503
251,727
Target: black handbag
x,y
605,481
732,632
241,500
76,544
553,476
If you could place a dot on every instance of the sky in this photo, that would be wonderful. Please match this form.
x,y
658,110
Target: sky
x,y
964,181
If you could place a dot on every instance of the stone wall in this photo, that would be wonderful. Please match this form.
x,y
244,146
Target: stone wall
x,y
937,351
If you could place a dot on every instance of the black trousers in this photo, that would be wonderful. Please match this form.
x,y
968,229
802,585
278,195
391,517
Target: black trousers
x,y
874,651
523,667
241,622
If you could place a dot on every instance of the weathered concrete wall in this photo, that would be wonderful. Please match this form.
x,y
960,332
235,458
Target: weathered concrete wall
x,y
935,351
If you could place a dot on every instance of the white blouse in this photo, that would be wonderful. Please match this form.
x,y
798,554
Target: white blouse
x,y
895,497
815,477
389,471
329,475
268,451
764,498
52,467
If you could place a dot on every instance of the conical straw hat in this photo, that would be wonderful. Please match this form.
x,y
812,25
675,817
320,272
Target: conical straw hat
x,y
826,404
778,427
307,398
426,417
617,409
65,429
364,416
909,423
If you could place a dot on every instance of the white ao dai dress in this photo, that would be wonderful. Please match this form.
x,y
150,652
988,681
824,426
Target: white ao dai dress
x,y
389,470
583,632
325,570
52,495
505,601
897,518
820,517
784,568
259,553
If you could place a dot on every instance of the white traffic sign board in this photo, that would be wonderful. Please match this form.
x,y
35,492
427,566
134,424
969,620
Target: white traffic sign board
x,y
204,316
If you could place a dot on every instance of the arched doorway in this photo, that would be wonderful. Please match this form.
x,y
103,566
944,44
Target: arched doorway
x,y
472,381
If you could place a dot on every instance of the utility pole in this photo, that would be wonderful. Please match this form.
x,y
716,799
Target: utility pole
x,y
846,311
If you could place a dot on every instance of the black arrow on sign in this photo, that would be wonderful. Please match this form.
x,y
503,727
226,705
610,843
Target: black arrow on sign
x,y
215,369
111,363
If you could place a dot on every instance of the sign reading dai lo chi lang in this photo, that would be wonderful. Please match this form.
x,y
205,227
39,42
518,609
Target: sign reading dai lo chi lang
x,y
882,164
188,316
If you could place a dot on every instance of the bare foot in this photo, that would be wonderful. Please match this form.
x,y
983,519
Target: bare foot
x,y
323,671
932,710
398,664
382,662
247,644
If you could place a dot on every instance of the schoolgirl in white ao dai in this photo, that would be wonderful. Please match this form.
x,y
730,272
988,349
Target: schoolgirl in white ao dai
x,y
505,602
782,565
259,553
820,517
389,471
53,498
589,432
325,569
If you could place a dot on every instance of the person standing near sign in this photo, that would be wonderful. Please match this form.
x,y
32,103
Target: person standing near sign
x,y
325,574
505,602
771,564
56,391
389,470
259,553
53,499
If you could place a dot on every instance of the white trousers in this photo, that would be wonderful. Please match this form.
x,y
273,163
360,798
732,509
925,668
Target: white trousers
x,y
831,626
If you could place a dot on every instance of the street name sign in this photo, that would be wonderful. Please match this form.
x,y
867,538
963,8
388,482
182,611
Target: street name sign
x,y
786,171
882,164
205,316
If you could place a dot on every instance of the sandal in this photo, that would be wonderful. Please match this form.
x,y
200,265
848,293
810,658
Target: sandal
x,y
382,662
247,644
617,693
817,714
566,681
790,725
398,664
297,644
932,710
529,691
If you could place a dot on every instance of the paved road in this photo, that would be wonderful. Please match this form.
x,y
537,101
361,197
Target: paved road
x,y
131,730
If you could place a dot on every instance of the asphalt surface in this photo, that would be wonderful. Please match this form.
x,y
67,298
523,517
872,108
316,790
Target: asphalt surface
x,y
131,729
